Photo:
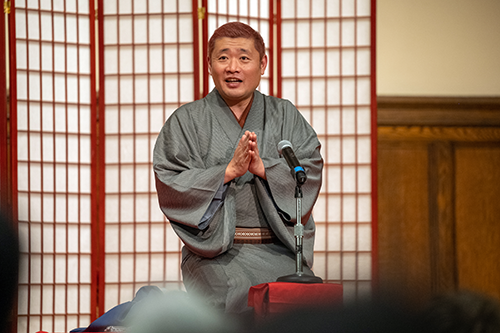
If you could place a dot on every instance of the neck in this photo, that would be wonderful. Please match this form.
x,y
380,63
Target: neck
x,y
238,108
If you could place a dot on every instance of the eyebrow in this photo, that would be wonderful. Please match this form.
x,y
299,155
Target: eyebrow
x,y
227,49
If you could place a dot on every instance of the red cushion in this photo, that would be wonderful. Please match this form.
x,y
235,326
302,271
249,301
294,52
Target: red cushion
x,y
279,297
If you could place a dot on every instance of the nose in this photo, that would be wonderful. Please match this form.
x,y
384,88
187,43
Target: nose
x,y
232,65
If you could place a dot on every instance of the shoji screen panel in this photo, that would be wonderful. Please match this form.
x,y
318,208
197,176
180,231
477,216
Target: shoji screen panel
x,y
52,74
325,67
147,71
255,13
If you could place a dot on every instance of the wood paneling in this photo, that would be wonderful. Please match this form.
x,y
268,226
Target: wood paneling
x,y
438,111
403,223
438,194
441,216
435,133
478,217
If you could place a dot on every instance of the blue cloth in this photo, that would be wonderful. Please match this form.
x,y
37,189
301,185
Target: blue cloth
x,y
217,201
118,315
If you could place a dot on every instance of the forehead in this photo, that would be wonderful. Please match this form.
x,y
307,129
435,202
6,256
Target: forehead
x,y
234,44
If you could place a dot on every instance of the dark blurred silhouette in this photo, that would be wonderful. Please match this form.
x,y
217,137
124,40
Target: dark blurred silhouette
x,y
365,316
463,312
456,312
9,266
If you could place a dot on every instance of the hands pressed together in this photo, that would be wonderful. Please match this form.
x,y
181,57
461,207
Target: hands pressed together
x,y
246,158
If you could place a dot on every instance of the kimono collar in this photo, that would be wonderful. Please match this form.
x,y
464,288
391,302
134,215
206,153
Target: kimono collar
x,y
244,115
254,117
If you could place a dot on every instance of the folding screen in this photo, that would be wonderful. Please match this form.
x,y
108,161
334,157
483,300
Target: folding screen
x,y
89,221
51,127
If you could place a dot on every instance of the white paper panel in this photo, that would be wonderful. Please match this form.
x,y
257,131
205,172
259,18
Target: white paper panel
x,y
53,164
148,73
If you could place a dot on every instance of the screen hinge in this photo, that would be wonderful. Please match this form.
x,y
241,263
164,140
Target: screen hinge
x,y
201,13
6,7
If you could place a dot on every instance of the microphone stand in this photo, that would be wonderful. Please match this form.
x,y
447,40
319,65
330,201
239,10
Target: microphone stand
x,y
299,276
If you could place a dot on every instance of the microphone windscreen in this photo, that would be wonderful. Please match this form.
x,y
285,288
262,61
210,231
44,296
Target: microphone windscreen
x,y
284,144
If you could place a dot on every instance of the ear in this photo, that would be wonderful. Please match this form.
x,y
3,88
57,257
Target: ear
x,y
209,66
263,64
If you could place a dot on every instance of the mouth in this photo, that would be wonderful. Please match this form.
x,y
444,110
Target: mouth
x,y
232,80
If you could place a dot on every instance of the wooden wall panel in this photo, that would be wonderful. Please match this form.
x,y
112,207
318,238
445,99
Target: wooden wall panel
x,y
404,258
441,170
478,217
438,194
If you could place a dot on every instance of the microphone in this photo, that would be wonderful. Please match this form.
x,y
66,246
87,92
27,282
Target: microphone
x,y
285,148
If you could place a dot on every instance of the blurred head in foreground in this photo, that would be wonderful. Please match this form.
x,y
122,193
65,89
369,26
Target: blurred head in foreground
x,y
178,312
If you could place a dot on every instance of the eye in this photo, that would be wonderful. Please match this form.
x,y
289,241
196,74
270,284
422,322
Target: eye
x,y
245,58
222,58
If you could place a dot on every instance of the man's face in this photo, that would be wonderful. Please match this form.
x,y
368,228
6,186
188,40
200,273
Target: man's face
x,y
236,68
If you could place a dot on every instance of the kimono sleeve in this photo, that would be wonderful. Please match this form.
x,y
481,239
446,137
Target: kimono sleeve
x,y
185,186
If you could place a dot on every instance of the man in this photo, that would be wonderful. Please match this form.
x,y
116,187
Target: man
x,y
221,183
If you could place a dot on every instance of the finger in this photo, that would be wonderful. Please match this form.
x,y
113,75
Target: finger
x,y
243,143
241,153
254,146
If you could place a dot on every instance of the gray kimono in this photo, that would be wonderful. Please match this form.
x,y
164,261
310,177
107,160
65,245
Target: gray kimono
x,y
190,157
